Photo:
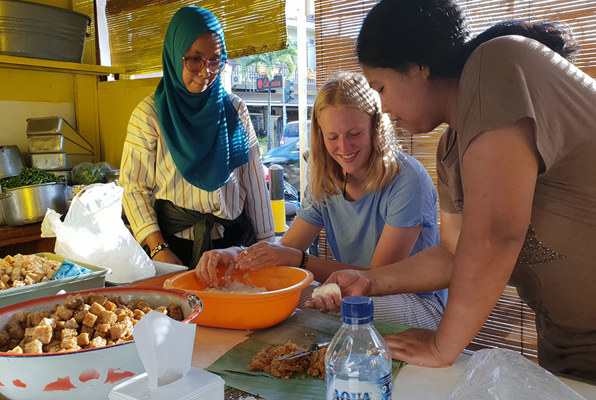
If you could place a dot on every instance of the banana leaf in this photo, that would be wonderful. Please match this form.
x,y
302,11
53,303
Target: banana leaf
x,y
303,328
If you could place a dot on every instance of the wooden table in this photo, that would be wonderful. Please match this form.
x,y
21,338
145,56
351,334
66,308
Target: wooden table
x,y
24,239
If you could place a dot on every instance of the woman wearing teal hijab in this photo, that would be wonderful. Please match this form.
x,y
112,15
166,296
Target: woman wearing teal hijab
x,y
191,167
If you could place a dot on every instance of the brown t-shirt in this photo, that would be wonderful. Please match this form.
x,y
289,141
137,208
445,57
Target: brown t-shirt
x,y
504,80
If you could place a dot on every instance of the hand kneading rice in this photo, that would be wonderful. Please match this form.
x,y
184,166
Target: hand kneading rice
x,y
237,287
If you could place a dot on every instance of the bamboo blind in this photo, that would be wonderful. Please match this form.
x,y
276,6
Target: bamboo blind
x,y
87,7
337,23
511,325
579,15
137,28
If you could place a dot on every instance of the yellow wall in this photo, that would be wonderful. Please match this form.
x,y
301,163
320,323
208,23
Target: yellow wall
x,y
98,110
117,100
30,94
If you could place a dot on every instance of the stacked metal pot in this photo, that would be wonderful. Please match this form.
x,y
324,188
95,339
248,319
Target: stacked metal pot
x,y
28,203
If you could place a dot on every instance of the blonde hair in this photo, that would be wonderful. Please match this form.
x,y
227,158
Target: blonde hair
x,y
326,175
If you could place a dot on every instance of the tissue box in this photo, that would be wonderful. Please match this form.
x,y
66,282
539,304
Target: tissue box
x,y
196,384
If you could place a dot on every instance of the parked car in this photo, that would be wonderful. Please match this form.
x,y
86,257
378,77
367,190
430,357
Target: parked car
x,y
288,154
291,132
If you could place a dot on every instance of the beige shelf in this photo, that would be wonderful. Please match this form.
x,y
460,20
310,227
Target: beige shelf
x,y
57,66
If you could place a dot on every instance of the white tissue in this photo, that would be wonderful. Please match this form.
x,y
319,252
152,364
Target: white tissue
x,y
165,347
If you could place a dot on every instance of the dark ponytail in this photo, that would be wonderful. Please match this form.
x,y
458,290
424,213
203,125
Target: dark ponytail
x,y
551,34
397,33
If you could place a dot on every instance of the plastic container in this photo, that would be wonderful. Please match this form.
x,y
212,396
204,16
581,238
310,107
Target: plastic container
x,y
93,280
358,361
196,384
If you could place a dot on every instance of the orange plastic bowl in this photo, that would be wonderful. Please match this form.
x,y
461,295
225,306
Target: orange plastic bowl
x,y
247,311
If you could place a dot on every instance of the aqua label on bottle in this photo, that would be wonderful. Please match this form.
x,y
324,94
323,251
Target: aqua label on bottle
x,y
350,389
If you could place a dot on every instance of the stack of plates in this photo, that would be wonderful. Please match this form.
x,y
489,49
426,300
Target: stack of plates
x,y
55,146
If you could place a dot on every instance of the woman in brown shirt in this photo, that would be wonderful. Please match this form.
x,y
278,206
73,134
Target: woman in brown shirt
x,y
516,181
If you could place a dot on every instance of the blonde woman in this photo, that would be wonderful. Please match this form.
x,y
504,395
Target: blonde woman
x,y
376,204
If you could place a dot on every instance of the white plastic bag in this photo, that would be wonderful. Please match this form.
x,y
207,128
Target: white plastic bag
x,y
93,232
498,374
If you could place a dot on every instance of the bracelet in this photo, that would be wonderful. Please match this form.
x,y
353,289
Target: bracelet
x,y
304,260
158,248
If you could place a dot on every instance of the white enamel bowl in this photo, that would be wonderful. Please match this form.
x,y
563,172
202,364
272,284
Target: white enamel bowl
x,y
85,374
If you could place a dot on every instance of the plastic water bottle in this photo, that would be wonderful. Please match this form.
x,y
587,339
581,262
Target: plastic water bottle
x,y
358,361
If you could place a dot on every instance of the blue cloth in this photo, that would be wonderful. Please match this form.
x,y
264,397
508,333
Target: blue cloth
x,y
68,269
353,228
203,131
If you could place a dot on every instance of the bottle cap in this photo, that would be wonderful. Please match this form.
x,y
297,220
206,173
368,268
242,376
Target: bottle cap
x,y
357,310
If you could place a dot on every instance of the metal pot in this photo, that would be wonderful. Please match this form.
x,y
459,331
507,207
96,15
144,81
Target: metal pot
x,y
11,161
28,204
30,29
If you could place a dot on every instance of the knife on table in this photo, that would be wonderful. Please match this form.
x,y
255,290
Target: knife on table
x,y
313,348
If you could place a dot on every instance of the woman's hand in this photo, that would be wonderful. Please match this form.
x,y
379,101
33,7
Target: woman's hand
x,y
206,269
351,283
417,347
167,256
268,254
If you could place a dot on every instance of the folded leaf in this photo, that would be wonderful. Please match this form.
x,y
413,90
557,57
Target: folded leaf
x,y
303,328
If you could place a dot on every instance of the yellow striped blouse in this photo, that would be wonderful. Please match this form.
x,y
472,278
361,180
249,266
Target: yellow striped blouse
x,y
147,172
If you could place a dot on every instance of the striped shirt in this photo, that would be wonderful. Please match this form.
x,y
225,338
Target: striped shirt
x,y
148,172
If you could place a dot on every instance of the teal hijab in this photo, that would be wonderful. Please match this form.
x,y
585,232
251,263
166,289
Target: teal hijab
x,y
203,131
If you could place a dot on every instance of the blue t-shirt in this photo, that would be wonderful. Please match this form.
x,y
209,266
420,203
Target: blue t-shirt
x,y
353,228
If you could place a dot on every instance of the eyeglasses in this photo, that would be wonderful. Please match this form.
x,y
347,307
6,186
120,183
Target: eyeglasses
x,y
196,64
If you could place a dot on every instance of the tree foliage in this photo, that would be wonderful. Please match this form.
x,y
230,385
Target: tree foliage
x,y
270,61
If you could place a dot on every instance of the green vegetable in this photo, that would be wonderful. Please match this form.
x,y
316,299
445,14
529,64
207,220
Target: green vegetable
x,y
87,173
30,176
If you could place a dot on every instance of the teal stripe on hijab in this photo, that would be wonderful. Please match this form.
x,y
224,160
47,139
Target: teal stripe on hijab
x,y
202,130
